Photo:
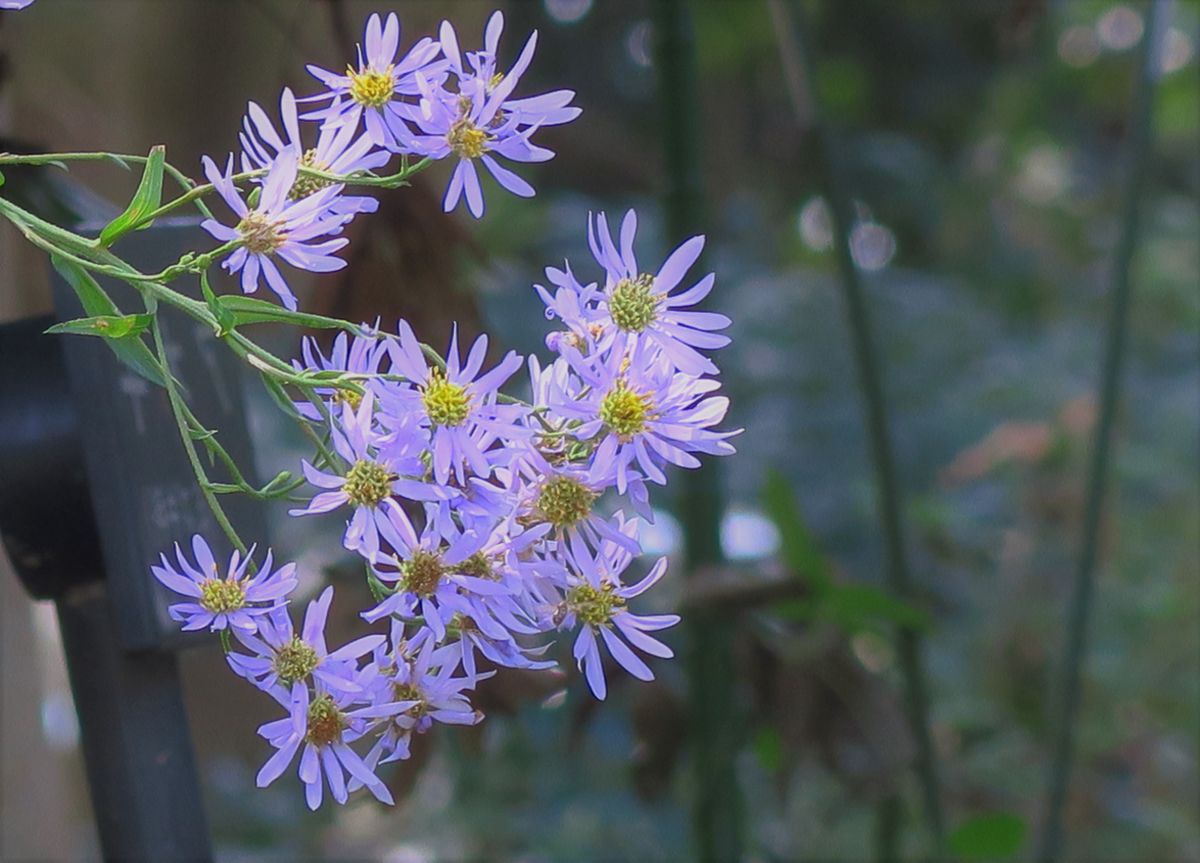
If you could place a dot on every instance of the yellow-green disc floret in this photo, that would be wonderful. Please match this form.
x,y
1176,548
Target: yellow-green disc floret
x,y
633,304
467,140
294,661
446,403
367,483
564,501
370,88
220,595
626,411
594,605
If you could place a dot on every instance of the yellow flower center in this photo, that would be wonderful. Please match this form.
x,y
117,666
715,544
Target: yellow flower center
x,y
306,185
408,692
467,140
370,88
446,403
632,304
593,605
367,483
325,721
422,574
349,397
478,565
260,235
564,501
219,595
294,661
626,411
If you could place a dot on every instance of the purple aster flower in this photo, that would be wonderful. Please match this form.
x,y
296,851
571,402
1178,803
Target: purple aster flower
x,y
277,226
479,121
564,497
339,150
15,4
448,571
371,90
635,305
379,468
597,602
458,405
573,304
282,658
360,355
640,411
228,600
324,724
548,109
419,674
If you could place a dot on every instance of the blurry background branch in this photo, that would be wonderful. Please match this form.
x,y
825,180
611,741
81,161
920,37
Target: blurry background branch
x,y
800,72
1068,686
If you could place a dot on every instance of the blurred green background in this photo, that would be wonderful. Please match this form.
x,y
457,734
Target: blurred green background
x,y
983,147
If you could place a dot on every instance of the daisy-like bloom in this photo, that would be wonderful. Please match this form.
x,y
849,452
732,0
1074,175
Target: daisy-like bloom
x,y
372,89
564,497
573,304
639,411
223,598
379,468
548,109
421,675
15,4
449,571
277,226
479,121
635,305
282,658
596,601
360,354
458,405
338,150
324,724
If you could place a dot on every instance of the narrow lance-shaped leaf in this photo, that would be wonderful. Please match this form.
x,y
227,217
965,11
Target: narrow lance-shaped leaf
x,y
797,546
105,326
226,320
132,350
247,310
145,200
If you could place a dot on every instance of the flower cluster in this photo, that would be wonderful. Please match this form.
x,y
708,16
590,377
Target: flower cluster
x,y
486,523
433,102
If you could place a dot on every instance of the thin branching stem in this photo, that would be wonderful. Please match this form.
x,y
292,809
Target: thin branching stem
x,y
800,74
1068,688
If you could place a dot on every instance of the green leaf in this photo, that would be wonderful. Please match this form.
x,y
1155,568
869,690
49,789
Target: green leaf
x,y
131,351
247,310
858,606
996,836
798,546
768,748
105,326
226,320
145,201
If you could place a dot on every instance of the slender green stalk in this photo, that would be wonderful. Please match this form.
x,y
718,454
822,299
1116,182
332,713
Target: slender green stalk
x,y
800,74
715,727
189,446
1140,126
888,812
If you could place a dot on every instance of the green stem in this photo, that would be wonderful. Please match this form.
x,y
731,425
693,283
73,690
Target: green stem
x,y
177,410
715,735
800,75
1141,132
